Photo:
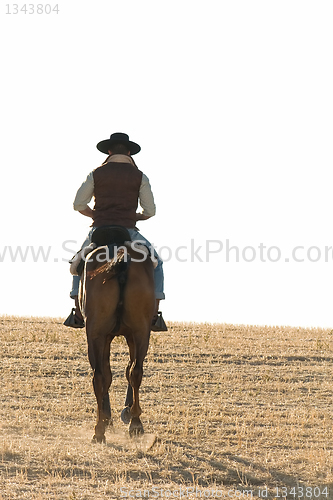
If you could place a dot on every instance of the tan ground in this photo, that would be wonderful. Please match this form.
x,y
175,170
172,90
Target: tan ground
x,y
234,409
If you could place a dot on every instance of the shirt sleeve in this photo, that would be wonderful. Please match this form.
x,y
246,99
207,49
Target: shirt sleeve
x,y
84,193
146,198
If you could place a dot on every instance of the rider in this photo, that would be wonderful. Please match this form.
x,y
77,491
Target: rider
x,y
117,186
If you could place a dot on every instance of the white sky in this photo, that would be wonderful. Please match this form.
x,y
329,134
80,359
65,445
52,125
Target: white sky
x,y
231,102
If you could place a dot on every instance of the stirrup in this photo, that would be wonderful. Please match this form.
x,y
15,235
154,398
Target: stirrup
x,y
74,321
158,324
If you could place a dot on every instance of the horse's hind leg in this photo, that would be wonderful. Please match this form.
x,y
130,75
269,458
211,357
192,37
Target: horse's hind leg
x,y
107,375
138,351
126,413
129,396
99,355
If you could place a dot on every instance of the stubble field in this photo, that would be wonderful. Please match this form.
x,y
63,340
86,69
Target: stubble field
x,y
229,412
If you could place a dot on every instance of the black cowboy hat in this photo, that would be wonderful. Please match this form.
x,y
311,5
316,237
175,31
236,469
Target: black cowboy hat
x,y
118,138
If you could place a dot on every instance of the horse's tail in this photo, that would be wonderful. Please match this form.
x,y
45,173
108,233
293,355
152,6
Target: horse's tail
x,y
116,268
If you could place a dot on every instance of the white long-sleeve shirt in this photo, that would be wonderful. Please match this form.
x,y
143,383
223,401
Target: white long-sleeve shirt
x,y
86,190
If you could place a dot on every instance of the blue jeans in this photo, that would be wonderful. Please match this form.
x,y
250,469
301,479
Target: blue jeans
x,y
158,271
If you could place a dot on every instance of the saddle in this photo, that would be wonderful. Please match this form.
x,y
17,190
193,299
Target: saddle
x,y
110,235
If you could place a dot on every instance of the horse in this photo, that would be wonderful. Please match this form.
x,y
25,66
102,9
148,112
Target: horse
x,y
117,298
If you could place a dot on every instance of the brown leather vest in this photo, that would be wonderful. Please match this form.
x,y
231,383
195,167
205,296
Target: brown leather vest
x,y
116,190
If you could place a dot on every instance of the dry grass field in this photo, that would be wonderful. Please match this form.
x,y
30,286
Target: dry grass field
x,y
237,412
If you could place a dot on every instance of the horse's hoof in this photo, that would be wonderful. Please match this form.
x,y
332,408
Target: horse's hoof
x,y
98,439
136,427
126,415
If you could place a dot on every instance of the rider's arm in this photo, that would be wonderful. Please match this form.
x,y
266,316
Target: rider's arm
x,y
88,212
142,217
146,200
84,195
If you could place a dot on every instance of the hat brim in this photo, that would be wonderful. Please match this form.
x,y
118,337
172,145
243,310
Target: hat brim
x,y
105,146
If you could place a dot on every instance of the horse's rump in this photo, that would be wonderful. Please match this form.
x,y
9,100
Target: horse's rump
x,y
117,290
